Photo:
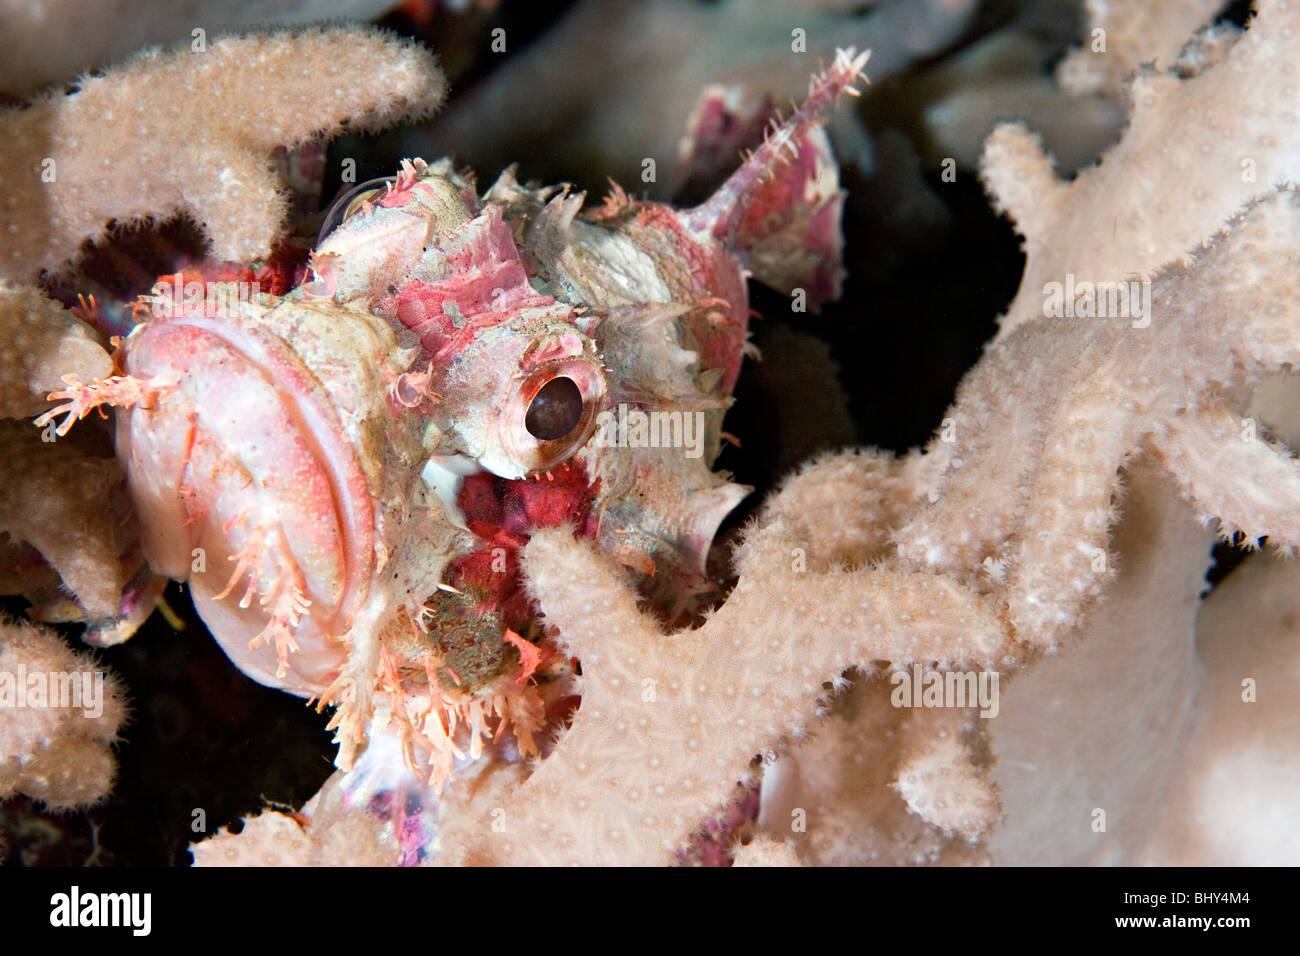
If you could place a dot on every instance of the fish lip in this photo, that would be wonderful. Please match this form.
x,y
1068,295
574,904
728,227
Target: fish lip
x,y
444,475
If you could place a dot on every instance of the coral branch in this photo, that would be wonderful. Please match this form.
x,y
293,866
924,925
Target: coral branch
x,y
57,498
939,778
879,785
1055,444
849,504
1205,145
202,125
765,851
61,716
1122,37
1233,475
621,787
1020,179
40,342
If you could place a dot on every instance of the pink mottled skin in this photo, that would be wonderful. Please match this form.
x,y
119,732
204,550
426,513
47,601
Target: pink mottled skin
x,y
345,472
487,283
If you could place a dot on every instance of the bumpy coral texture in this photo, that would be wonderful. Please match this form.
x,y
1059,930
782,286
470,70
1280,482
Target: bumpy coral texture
x,y
40,342
272,838
269,839
1106,724
668,723
1121,37
55,497
107,30
61,755
1196,150
875,785
192,132
765,851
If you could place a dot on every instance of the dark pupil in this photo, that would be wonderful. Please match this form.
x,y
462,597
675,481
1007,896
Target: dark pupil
x,y
555,411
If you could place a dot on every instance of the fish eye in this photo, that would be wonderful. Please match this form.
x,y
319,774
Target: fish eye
x,y
555,411
349,202
547,418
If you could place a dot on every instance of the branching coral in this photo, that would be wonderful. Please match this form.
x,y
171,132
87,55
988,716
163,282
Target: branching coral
x,y
54,746
335,837
56,496
850,793
1107,725
621,787
107,30
1197,149
40,342
1122,37
1217,327
200,127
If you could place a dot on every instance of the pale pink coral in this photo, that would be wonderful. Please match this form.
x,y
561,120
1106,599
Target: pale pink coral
x,y
108,30
1057,521
40,342
191,133
1196,150
58,497
50,748
858,790
669,722
1122,37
